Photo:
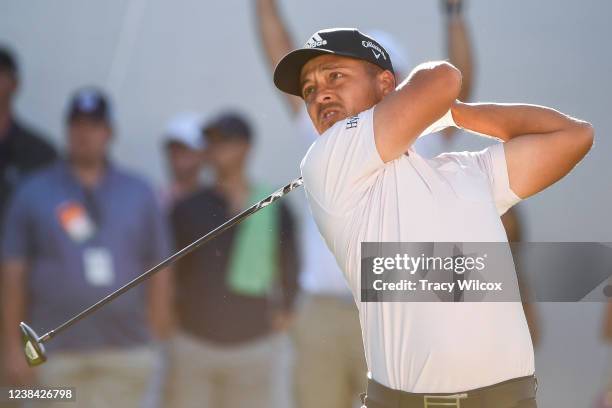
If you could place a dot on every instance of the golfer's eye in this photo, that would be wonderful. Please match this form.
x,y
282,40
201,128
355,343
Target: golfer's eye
x,y
308,91
336,75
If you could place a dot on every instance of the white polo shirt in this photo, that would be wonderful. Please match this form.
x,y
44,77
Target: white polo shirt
x,y
456,197
319,274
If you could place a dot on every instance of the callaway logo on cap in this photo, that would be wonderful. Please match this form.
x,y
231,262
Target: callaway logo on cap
x,y
347,42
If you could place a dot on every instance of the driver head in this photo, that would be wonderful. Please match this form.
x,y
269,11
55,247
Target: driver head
x,y
32,347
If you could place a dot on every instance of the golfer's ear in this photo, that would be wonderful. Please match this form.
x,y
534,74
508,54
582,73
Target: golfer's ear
x,y
386,82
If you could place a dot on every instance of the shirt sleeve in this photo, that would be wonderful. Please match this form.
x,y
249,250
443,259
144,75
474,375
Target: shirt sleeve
x,y
492,162
342,164
15,242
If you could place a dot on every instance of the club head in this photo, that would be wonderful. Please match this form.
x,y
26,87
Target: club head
x,y
34,350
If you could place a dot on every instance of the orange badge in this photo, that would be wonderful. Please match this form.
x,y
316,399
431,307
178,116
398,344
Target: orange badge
x,y
75,221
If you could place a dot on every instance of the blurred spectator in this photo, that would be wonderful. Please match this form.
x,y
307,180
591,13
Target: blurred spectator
x,y
184,148
235,295
73,233
325,375
21,149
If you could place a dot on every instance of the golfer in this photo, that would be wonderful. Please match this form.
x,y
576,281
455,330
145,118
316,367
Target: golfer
x,y
365,183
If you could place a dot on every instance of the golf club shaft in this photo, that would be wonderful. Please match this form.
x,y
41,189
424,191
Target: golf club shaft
x,y
178,255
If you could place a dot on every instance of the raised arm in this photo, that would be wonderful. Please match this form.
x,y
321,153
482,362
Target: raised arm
x,y
542,144
459,50
459,45
275,39
424,97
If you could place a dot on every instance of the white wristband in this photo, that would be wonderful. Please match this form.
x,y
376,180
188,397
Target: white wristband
x,y
440,124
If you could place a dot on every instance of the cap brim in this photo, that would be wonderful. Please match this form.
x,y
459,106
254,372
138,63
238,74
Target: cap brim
x,y
94,116
287,72
170,140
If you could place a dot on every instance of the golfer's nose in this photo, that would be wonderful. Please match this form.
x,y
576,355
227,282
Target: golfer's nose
x,y
324,94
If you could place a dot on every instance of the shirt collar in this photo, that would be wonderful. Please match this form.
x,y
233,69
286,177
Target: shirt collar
x,y
66,170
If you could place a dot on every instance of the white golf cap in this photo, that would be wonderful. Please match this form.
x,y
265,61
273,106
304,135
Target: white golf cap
x,y
185,128
398,54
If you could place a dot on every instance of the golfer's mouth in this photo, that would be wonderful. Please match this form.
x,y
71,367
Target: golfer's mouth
x,y
329,116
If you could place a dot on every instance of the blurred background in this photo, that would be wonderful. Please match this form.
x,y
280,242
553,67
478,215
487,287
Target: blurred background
x,y
154,59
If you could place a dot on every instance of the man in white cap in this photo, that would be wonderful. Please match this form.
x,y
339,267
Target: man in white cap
x,y
184,149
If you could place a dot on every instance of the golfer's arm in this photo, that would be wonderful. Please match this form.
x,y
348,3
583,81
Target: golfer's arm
x,y
422,98
275,39
13,301
542,144
160,302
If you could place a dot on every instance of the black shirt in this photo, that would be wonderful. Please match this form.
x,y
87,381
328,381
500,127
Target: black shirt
x,y
206,307
21,152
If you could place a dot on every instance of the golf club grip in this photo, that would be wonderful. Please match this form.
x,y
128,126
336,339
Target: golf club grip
x,y
178,255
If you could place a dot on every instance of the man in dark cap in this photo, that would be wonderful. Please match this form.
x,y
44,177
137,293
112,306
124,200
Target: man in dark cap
x,y
235,295
75,232
365,183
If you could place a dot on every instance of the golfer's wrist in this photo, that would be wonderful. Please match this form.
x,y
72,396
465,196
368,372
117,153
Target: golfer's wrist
x,y
459,113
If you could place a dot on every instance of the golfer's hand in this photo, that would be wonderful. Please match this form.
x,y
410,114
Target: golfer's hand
x,y
18,372
449,5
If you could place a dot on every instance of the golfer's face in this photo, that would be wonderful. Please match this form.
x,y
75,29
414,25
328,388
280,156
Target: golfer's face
x,y
335,88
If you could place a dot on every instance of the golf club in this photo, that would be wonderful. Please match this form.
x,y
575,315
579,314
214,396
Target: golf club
x,y
33,344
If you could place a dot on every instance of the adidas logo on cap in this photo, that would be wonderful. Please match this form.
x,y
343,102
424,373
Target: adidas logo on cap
x,y
315,41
